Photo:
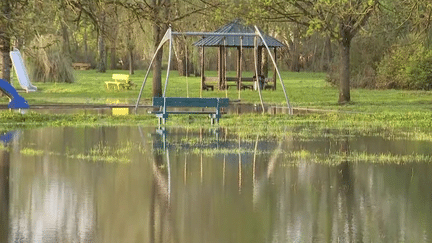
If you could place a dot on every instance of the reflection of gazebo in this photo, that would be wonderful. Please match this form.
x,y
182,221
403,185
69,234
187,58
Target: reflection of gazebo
x,y
239,42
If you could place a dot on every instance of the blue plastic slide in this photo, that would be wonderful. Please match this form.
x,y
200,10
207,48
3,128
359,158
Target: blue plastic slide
x,y
16,100
8,137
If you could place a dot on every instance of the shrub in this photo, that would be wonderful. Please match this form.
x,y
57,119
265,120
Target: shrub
x,y
48,63
406,67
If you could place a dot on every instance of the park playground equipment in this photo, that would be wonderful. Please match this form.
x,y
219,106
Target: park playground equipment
x,y
239,43
16,101
168,37
21,71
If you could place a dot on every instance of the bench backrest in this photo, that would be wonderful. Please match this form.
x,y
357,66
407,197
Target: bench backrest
x,y
190,102
81,64
120,76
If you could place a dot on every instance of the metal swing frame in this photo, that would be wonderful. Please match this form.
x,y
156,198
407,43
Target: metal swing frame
x,y
169,37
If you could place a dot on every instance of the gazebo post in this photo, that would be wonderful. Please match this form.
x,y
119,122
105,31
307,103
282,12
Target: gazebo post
x,y
259,61
225,53
240,65
274,70
220,67
202,69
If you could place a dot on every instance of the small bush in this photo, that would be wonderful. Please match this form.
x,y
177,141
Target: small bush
x,y
406,67
48,63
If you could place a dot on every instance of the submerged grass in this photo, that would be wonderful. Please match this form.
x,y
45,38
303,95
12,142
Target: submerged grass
x,y
98,153
295,157
31,152
409,125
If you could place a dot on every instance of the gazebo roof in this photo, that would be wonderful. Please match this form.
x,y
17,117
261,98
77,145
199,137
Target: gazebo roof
x,y
236,26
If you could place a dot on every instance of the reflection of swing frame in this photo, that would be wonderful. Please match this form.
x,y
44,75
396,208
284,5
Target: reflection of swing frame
x,y
164,145
169,37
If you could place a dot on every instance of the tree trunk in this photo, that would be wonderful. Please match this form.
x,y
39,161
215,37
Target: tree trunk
x,y
131,62
130,46
180,46
181,57
106,56
102,54
294,52
113,56
6,65
5,40
157,64
86,58
101,45
329,51
160,12
344,87
65,36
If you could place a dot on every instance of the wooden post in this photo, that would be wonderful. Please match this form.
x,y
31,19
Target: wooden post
x,y
225,68
220,66
259,57
202,69
274,70
240,64
238,67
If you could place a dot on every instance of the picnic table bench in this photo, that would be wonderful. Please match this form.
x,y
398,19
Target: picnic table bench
x,y
166,102
81,66
122,81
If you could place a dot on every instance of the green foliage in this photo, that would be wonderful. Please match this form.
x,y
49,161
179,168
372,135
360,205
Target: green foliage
x,y
48,62
406,67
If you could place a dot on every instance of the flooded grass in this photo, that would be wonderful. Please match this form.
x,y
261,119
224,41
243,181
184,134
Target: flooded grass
x,y
414,126
302,156
99,153
31,152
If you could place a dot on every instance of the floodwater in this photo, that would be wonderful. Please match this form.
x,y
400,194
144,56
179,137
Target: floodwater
x,y
129,184
234,108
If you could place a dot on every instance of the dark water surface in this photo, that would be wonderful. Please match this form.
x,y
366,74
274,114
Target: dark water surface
x,y
118,184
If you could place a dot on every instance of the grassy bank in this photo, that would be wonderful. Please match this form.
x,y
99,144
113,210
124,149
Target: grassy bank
x,y
393,113
306,90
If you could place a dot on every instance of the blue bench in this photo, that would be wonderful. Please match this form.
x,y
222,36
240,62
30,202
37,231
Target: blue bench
x,y
165,102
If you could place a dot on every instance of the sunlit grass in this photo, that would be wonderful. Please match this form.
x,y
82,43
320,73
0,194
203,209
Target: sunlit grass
x,y
306,90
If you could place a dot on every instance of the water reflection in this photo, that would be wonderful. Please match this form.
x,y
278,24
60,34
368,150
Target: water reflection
x,y
178,188
4,195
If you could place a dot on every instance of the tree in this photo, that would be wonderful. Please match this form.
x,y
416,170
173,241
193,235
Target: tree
x,y
340,19
160,14
5,38
97,12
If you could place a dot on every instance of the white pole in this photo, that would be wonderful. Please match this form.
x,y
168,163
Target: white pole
x,y
169,60
164,39
277,70
256,72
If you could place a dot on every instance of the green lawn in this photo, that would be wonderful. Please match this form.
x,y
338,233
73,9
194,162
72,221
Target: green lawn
x,y
307,90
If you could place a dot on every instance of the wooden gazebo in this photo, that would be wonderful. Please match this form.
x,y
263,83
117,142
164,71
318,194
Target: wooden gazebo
x,y
239,42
